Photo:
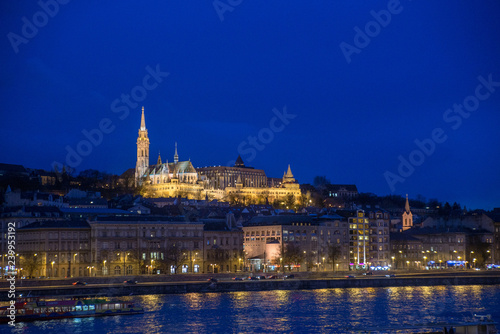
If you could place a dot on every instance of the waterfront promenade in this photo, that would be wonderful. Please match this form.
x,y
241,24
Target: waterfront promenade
x,y
175,284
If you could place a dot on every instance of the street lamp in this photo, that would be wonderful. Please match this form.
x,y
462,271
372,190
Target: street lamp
x,y
52,269
323,264
425,261
104,266
305,258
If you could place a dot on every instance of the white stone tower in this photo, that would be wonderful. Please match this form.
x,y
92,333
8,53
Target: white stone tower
x,y
142,151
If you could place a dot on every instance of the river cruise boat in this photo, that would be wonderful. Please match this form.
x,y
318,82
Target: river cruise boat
x,y
479,324
37,308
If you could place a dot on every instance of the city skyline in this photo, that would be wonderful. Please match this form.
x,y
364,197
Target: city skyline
x,y
360,102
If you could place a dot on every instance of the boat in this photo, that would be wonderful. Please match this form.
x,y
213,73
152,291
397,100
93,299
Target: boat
x,y
39,308
479,324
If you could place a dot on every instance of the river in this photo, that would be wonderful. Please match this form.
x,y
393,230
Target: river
x,y
297,311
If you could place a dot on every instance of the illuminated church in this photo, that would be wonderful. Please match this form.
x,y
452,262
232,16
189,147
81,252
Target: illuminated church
x,y
180,178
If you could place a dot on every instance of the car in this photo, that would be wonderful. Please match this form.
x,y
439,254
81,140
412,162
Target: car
x,y
289,276
212,280
238,279
391,275
272,277
350,276
261,277
79,283
368,273
252,278
130,282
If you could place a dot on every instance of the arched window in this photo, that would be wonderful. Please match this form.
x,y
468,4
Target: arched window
x,y
129,270
118,270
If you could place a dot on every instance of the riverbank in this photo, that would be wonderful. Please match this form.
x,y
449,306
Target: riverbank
x,y
111,289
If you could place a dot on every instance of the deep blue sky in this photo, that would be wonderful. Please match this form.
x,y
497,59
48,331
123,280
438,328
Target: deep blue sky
x,y
353,120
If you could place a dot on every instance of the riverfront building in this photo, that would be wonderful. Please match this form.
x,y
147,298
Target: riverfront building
x,y
266,238
146,245
359,241
55,249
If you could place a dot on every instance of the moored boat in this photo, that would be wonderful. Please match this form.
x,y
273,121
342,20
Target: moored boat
x,y
479,324
36,308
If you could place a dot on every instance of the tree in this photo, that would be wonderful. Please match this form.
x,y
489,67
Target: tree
x,y
289,201
176,256
291,254
434,203
31,263
481,252
333,253
445,210
320,181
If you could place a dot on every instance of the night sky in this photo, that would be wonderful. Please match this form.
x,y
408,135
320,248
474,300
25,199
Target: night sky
x,y
352,94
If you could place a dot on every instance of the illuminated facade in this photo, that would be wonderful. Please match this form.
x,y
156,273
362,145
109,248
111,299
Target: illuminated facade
x,y
264,237
359,233
407,218
238,184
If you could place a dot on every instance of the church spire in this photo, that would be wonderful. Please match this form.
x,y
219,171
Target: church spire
x,y
143,121
176,156
159,158
407,205
142,163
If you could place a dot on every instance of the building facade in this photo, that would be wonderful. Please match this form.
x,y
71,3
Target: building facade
x,y
380,253
267,239
359,241
55,249
146,245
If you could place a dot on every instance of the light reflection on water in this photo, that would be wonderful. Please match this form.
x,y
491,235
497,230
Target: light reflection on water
x,y
297,311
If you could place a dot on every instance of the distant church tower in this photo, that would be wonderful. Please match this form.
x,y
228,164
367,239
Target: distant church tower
x,y
142,151
176,156
407,216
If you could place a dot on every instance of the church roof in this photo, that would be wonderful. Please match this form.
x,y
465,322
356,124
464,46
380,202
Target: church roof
x,y
171,167
239,162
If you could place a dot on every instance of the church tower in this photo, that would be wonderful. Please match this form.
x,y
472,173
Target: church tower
x,y
142,151
407,218
176,156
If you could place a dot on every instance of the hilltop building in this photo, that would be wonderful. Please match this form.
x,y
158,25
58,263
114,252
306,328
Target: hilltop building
x,y
238,183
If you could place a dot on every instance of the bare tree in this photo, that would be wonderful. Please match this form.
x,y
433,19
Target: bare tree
x,y
176,256
333,253
291,254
